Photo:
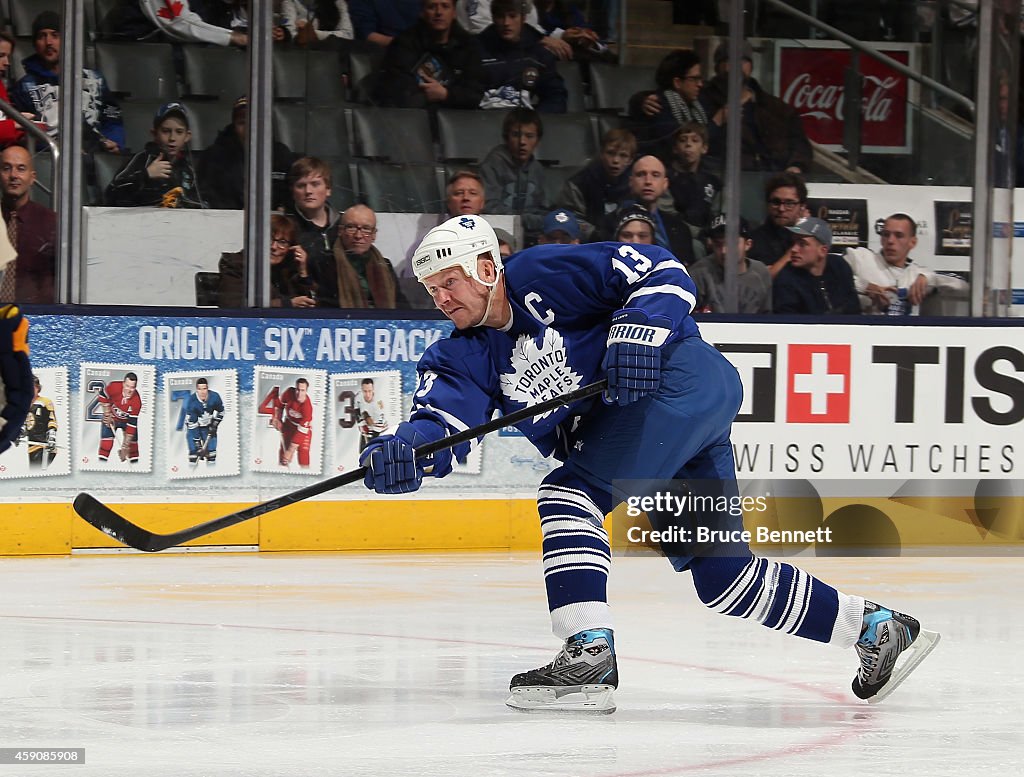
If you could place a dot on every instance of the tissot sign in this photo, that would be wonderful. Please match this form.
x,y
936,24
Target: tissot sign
x,y
811,76
907,402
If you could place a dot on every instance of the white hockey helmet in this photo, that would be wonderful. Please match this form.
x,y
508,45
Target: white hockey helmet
x,y
457,242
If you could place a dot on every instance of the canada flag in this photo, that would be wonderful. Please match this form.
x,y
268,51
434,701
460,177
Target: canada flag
x,y
171,10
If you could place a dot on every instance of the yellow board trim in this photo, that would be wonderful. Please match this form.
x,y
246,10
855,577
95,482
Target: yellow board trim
x,y
380,524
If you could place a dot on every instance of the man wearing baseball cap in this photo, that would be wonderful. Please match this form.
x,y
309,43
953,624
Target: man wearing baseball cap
x,y
753,281
814,281
560,226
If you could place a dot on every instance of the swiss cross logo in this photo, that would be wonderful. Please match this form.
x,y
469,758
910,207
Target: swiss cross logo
x,y
818,384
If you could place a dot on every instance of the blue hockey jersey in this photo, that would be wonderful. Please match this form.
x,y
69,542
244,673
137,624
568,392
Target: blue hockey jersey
x,y
562,299
199,414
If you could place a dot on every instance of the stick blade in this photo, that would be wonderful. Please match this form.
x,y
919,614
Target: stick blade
x,y
110,523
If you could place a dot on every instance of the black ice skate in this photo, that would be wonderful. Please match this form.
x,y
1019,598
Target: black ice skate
x,y
581,678
886,636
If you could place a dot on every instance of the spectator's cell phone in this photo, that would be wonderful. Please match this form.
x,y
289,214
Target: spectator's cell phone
x,y
290,255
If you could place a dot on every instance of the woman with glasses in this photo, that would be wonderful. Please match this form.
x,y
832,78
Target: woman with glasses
x,y
290,283
658,114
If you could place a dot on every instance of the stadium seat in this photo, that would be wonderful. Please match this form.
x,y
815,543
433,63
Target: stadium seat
x,y
572,74
215,71
389,188
107,166
467,136
343,188
208,118
207,289
24,11
137,116
612,85
290,125
328,132
568,139
289,72
363,64
604,122
138,71
397,135
554,180
325,83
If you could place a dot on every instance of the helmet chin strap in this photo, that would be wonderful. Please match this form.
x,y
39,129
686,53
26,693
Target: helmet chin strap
x,y
492,288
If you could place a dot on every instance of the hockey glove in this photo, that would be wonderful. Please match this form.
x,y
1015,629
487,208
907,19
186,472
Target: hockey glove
x,y
213,426
391,467
16,389
51,440
633,359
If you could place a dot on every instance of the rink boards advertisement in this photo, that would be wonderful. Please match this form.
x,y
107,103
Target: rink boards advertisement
x,y
231,411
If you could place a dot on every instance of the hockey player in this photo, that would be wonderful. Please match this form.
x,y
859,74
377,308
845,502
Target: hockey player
x,y
15,374
556,318
41,429
204,410
372,423
293,419
121,405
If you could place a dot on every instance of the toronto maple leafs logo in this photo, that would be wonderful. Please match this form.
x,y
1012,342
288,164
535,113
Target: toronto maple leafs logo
x,y
467,223
540,371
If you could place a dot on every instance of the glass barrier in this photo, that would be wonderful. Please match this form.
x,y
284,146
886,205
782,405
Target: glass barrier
x,y
553,126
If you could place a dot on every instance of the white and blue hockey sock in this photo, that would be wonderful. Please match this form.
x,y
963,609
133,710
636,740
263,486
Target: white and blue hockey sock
x,y
577,554
779,596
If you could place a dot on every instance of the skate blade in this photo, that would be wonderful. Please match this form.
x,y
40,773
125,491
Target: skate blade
x,y
573,698
912,656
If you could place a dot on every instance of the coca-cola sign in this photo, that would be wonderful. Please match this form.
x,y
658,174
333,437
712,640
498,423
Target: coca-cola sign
x,y
811,78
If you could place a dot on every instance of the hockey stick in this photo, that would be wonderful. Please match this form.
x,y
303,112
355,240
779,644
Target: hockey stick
x,y
127,533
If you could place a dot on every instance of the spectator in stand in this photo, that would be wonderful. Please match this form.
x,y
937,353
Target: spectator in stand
x,y
9,131
564,21
786,198
518,70
138,19
6,60
464,195
891,282
595,192
222,165
505,243
162,174
772,134
648,183
815,281
319,24
695,190
657,115
318,221
475,16
633,224
37,93
365,278
513,177
380,21
290,283
31,227
433,63
561,227
753,281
